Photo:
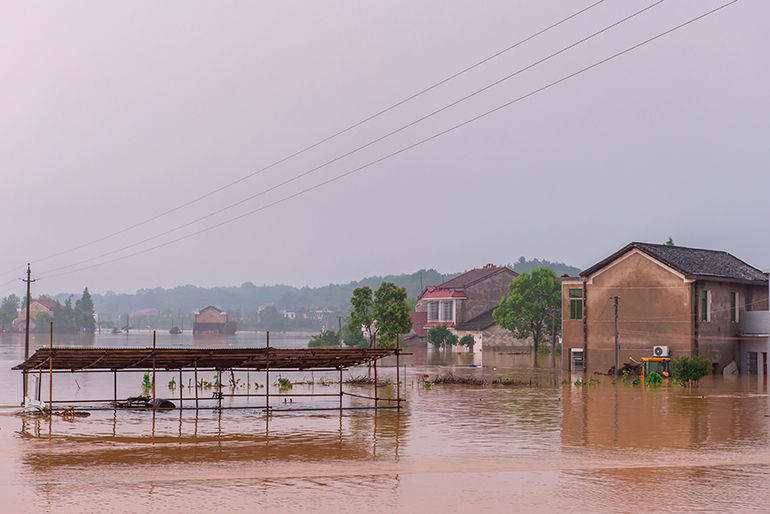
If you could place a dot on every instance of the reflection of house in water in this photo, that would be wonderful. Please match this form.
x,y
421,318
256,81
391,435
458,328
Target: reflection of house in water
x,y
209,320
689,301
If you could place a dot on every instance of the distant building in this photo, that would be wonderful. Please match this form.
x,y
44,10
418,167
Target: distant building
x,y
35,307
209,321
687,301
288,314
465,304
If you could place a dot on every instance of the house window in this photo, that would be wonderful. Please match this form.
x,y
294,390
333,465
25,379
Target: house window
x,y
734,307
433,311
705,305
576,303
446,311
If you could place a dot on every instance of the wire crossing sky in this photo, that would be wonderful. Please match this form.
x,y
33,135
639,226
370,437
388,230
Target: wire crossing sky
x,y
100,135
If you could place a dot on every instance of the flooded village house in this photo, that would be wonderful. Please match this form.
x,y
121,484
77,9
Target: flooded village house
x,y
465,304
209,321
688,301
45,305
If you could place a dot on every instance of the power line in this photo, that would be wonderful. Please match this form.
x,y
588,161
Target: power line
x,y
411,146
325,139
361,147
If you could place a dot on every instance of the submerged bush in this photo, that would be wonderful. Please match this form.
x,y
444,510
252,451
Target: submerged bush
x,y
688,370
654,378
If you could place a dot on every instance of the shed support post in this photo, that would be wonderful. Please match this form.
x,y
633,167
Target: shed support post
x,y
398,376
180,389
340,390
153,377
196,385
267,374
115,388
50,376
376,397
219,389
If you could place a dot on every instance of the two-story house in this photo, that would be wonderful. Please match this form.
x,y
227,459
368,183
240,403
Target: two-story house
x,y
209,320
465,304
687,300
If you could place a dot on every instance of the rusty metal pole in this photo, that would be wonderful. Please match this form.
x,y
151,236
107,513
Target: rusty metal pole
x,y
267,374
50,376
398,375
153,374
180,389
219,390
196,386
376,397
340,390
115,387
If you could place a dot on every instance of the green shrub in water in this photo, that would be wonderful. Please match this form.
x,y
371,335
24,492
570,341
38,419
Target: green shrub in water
x,y
654,378
146,382
688,370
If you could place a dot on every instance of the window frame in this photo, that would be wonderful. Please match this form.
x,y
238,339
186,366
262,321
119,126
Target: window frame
x,y
705,305
575,295
735,307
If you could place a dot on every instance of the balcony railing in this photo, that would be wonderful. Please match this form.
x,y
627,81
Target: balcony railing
x,y
754,323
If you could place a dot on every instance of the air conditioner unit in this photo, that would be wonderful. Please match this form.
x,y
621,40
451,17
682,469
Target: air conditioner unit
x,y
660,351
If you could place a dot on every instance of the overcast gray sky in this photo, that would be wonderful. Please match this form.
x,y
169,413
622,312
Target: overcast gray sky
x,y
115,111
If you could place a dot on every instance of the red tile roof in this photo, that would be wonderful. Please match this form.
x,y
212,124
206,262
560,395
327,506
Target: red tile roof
x,y
468,278
443,293
47,303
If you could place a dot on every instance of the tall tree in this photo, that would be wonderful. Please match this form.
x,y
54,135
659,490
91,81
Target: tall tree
x,y
84,313
531,301
383,314
9,310
391,313
362,313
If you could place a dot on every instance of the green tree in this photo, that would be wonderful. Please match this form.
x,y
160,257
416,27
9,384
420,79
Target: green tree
x,y
43,322
325,338
688,370
384,313
532,300
9,310
353,338
468,341
362,313
440,336
84,313
391,313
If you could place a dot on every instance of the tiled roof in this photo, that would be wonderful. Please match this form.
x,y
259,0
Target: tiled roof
x,y
694,262
443,293
468,278
47,303
480,322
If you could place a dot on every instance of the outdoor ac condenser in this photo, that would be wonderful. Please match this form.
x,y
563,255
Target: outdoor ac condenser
x,y
660,351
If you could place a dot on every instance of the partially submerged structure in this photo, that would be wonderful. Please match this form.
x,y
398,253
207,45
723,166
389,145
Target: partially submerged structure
x,y
672,301
209,321
191,361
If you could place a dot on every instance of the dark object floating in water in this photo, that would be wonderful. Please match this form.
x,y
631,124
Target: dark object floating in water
x,y
144,402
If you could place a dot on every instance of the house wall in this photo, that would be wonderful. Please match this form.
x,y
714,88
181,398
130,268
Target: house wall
x,y
35,308
718,339
495,336
572,329
655,308
484,295
211,316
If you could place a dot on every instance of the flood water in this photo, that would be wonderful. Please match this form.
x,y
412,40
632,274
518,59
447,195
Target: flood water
x,y
451,448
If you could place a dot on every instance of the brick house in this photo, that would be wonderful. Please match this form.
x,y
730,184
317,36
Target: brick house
x,y
209,320
465,304
35,307
687,299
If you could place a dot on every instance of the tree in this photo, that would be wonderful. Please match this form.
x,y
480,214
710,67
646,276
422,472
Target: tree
x,y
532,300
362,313
670,242
688,370
84,313
43,322
384,313
9,310
440,336
468,341
325,338
353,338
231,327
391,313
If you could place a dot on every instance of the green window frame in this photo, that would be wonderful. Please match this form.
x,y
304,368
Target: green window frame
x,y
733,307
575,303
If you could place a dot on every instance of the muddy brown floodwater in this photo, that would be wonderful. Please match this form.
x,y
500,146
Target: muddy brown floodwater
x,y
452,448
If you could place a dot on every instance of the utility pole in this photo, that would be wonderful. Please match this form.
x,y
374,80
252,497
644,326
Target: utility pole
x,y
26,323
617,344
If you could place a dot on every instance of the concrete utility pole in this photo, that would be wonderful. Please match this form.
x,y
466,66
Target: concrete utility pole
x,y
617,344
26,323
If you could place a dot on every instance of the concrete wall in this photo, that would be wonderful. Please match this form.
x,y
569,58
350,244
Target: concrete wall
x,y
496,336
485,295
655,308
209,315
